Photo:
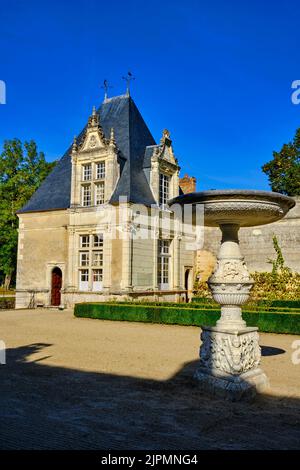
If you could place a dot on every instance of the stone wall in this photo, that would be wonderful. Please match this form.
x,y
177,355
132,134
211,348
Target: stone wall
x,y
256,243
43,243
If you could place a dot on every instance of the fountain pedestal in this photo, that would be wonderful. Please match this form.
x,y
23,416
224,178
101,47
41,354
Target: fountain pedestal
x,y
229,363
230,352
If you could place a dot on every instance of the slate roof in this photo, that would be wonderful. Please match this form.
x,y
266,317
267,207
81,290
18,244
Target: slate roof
x,y
132,137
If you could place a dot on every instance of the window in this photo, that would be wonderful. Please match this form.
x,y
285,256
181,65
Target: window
x,y
100,170
93,190
163,189
86,195
97,275
97,258
98,240
97,279
87,172
83,279
84,258
99,193
163,263
91,262
84,241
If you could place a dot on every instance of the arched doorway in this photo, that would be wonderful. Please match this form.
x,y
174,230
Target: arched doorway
x,y
56,284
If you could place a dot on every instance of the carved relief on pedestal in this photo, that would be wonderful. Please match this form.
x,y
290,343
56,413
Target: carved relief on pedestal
x,y
233,270
231,282
229,353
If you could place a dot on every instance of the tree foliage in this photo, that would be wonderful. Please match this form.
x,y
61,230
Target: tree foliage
x,y
22,170
283,170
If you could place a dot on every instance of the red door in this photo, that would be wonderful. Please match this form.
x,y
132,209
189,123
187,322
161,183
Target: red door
x,y
56,286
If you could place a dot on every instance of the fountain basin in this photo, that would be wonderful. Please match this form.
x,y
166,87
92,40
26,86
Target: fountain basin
x,y
246,208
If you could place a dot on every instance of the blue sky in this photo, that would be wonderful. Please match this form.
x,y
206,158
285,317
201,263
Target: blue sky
x,y
217,74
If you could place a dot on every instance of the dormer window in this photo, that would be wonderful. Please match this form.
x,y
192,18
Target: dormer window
x,y
164,170
93,184
99,193
95,166
164,181
100,170
87,172
86,195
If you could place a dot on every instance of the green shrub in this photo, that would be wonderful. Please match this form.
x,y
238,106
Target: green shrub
x,y
147,313
203,300
266,321
279,284
294,304
267,304
7,303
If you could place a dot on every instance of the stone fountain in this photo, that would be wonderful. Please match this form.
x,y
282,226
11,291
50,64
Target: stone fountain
x,y
230,352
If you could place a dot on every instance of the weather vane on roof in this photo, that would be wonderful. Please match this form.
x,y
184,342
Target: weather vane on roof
x,y
105,87
128,79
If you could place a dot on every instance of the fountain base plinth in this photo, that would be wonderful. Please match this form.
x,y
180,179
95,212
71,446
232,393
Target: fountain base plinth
x,y
229,360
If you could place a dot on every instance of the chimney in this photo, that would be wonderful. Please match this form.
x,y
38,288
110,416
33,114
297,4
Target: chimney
x,y
187,184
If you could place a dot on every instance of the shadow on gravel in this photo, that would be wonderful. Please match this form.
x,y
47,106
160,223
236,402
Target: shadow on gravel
x,y
44,407
270,351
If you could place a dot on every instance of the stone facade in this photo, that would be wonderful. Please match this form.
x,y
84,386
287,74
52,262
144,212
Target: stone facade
x,y
256,244
96,250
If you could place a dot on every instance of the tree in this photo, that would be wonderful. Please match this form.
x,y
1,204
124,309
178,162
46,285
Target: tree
x,y
283,170
22,170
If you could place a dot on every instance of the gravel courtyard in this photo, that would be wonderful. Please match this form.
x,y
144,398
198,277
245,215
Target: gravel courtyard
x,y
73,383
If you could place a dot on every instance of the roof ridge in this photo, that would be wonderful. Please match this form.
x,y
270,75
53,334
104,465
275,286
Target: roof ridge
x,y
107,100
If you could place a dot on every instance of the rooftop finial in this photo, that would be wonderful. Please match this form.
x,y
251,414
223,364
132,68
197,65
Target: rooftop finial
x,y
74,145
112,141
165,137
94,118
128,79
106,87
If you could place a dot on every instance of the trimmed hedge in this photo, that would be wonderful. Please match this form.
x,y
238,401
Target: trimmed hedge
x,y
146,313
280,303
266,321
267,304
270,322
203,300
205,306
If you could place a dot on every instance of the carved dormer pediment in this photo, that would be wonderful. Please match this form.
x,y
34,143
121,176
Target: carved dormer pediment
x,y
94,138
164,151
95,166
